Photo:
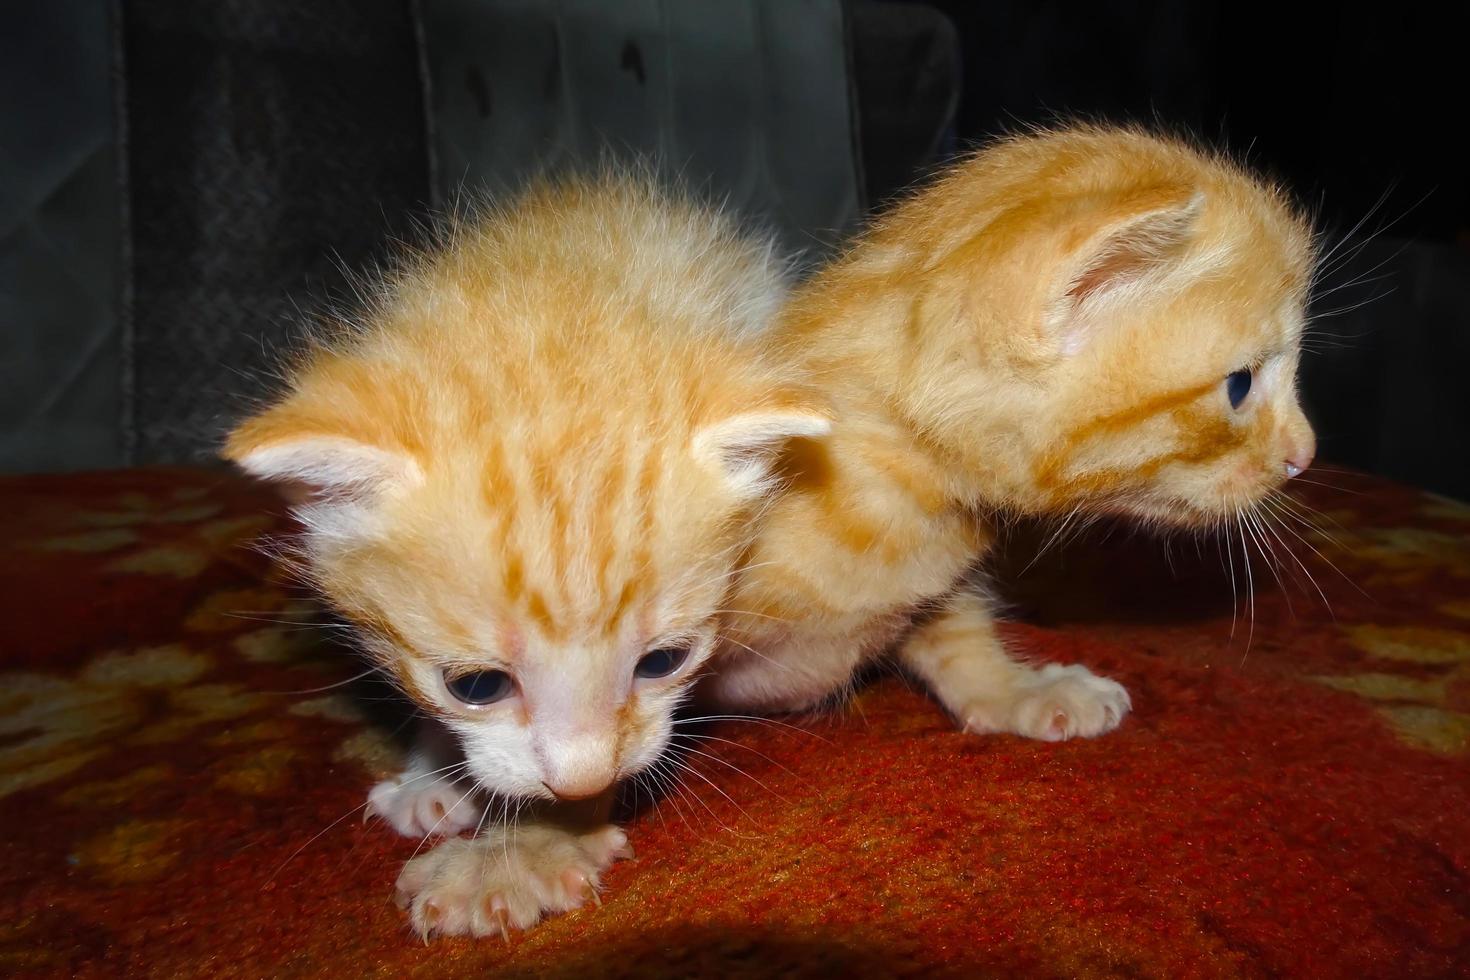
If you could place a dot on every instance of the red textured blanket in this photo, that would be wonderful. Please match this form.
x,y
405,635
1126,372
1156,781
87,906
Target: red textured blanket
x,y
177,798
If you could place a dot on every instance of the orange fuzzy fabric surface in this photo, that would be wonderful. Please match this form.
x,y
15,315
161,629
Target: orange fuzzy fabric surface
x,y
180,780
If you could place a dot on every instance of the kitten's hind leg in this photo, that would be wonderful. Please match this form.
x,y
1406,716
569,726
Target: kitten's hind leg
x,y
960,657
427,798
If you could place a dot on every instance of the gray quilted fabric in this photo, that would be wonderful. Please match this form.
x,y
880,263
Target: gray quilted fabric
x,y
749,101
61,349
271,143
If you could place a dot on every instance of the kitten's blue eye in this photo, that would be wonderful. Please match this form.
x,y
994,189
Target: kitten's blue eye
x,y
661,663
1237,386
481,687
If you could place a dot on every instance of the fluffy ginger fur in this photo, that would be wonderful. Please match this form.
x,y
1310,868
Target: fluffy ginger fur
x,y
538,463
1046,330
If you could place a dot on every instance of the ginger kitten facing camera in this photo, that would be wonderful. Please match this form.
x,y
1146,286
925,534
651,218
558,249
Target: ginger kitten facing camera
x,y
529,477
1078,323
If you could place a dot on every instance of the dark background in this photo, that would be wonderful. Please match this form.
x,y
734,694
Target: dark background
x,y
1346,102
181,185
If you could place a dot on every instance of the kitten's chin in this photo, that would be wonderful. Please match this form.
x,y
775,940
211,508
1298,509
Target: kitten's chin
x,y
1223,509
1170,515
1174,515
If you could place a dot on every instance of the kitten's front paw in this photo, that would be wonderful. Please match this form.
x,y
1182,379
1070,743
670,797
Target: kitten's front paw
x,y
1053,704
417,806
506,879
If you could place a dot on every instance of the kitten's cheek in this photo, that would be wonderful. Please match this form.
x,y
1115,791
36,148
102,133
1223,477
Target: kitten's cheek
x,y
1241,478
648,750
1248,480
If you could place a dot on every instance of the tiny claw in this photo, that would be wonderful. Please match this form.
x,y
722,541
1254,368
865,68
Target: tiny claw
x,y
1059,725
977,723
592,894
575,882
624,853
496,907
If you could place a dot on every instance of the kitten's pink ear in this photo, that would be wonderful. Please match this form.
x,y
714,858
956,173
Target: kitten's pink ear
x,y
1132,238
308,461
744,448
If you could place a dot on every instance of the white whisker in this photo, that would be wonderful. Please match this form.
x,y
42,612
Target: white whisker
x,y
360,807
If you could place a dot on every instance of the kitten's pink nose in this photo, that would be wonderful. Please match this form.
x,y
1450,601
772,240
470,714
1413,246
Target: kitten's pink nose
x,y
1299,457
579,764
583,790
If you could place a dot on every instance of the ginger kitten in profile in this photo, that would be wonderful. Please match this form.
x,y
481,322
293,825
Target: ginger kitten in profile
x,y
1077,323
528,479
